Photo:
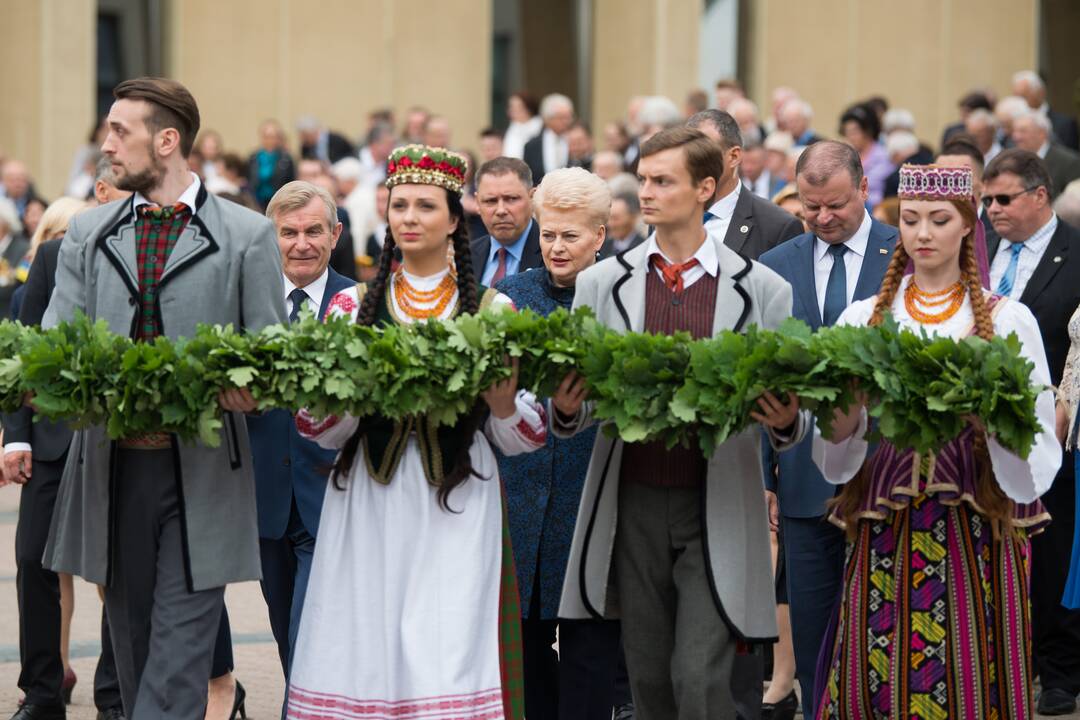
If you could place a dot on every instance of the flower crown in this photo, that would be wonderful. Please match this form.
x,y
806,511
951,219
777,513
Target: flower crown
x,y
427,166
935,182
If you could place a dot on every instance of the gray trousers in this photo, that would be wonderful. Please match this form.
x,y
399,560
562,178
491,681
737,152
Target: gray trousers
x,y
163,635
679,652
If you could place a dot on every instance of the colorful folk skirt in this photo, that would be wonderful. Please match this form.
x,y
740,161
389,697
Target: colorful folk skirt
x,y
933,623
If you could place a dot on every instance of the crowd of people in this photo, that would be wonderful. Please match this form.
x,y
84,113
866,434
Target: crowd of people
x,y
520,563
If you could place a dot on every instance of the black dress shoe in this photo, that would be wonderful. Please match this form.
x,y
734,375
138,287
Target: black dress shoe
x,y
783,710
238,709
40,712
1055,701
113,713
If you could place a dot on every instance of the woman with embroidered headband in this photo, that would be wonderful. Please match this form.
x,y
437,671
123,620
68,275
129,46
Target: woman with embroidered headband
x,y
934,616
412,607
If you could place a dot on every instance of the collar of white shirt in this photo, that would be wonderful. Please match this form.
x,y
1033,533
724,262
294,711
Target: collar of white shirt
x,y
1044,149
314,290
705,255
187,197
724,208
856,243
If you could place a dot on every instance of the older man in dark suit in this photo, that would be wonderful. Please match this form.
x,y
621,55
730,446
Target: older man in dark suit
x,y
289,471
1037,261
749,224
840,260
550,150
1032,132
504,189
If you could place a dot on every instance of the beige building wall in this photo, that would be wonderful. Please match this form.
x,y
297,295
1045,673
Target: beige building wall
x,y
921,54
249,60
47,52
642,47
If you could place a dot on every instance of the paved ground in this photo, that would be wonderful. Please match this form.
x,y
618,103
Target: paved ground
x,y
257,664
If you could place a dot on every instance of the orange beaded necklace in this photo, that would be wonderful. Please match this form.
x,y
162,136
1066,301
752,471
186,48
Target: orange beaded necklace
x,y
408,296
953,296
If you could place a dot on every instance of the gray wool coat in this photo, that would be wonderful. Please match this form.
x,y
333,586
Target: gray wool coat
x,y
224,268
735,525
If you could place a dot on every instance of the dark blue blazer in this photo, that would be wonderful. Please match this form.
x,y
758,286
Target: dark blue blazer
x,y
792,475
286,465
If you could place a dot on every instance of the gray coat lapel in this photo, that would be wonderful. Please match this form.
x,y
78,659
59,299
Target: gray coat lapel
x,y
628,292
194,243
732,300
118,245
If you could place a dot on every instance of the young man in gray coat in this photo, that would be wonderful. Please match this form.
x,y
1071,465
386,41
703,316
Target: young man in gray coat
x,y
163,524
673,543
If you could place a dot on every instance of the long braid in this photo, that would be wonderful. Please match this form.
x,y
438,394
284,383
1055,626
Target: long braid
x,y
468,424
890,284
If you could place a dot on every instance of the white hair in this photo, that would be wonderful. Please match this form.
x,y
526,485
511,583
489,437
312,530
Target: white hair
x,y
898,119
1012,106
551,104
982,115
800,106
573,189
1067,206
9,215
659,110
901,143
308,122
743,102
1029,78
779,141
622,184
1038,119
348,168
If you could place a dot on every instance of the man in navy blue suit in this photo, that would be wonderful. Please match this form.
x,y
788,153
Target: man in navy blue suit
x,y
290,477
841,259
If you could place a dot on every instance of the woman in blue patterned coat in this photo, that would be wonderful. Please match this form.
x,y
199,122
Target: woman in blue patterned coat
x,y
543,488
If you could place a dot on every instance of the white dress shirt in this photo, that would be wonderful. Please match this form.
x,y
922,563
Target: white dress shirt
x,y
708,262
1030,255
556,151
853,260
187,197
722,210
314,291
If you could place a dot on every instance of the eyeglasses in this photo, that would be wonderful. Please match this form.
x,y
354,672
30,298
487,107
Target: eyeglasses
x,y
1004,200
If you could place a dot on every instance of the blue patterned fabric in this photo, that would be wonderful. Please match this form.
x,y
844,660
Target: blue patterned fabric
x,y
543,488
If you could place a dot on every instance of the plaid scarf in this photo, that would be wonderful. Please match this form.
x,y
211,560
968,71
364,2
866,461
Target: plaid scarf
x,y
156,232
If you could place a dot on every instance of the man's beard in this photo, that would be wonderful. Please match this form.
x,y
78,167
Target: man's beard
x,y
145,181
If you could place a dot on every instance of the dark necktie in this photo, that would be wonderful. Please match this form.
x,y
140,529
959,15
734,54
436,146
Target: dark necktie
x,y
836,288
500,269
705,218
297,296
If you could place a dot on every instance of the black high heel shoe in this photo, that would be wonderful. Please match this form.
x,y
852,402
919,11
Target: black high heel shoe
x,y
783,710
238,709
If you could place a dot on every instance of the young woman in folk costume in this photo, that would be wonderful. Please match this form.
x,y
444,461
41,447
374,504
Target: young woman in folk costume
x,y
934,617
412,608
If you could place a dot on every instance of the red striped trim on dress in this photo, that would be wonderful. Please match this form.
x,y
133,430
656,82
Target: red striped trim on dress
x,y
311,705
310,427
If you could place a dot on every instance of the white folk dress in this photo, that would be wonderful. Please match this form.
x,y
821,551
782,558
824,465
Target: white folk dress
x,y
402,609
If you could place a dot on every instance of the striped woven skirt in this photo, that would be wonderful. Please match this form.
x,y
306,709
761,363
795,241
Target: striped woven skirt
x,y
933,622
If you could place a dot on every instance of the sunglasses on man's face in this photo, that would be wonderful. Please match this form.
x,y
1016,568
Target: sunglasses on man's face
x,y
1004,200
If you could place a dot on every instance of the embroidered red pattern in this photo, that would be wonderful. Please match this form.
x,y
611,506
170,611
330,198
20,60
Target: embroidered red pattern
x,y
311,427
527,431
312,705
343,301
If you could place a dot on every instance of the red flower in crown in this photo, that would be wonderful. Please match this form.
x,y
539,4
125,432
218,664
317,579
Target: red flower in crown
x,y
444,166
390,168
456,172
426,163
405,161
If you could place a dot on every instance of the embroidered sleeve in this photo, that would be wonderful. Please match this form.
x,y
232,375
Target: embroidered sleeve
x,y
344,303
522,432
330,433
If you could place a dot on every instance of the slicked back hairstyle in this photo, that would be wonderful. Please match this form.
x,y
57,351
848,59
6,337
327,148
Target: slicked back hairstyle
x,y
171,106
1028,166
730,134
704,158
823,159
297,194
506,166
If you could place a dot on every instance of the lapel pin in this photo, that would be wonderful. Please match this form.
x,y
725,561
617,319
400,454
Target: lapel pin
x,y
883,251
744,229
1057,258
